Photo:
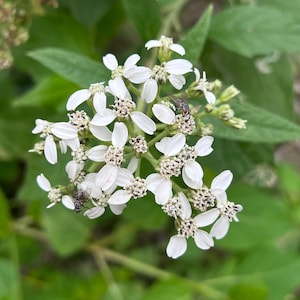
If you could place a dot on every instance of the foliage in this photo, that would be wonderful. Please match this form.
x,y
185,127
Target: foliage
x,y
58,254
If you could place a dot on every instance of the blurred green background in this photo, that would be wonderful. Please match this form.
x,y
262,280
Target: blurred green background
x,y
49,49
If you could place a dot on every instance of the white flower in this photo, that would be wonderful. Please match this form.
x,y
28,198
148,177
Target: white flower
x,y
96,90
165,43
134,73
172,70
171,146
188,227
54,193
123,108
225,209
203,85
133,187
192,172
61,130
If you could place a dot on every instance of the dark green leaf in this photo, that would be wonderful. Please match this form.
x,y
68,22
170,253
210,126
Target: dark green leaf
x,y
4,216
195,39
74,67
250,30
262,126
67,233
145,16
89,12
8,280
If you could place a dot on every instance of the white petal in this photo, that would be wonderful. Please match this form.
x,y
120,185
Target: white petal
x,y
102,133
164,114
203,240
72,168
153,43
110,61
221,197
137,75
171,146
119,197
118,88
50,150
74,144
203,146
178,66
177,81
220,228
117,209
106,177
120,135
185,205
64,130
133,164
143,122
176,247
99,102
97,153
164,192
77,98
106,117
51,204
132,60
94,212
192,174
124,177
207,218
210,97
222,181
153,181
150,90
177,48
197,74
39,126
67,201
43,182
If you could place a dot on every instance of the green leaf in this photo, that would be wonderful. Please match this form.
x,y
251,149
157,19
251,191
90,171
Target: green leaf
x,y
51,92
4,216
289,7
72,66
195,39
67,232
9,280
272,91
145,15
250,30
89,12
262,126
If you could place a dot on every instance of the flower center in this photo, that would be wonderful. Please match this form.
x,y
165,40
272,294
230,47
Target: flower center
x,y
79,155
203,198
187,228
118,72
186,123
54,195
137,189
159,74
97,88
172,207
230,210
46,130
80,119
114,156
187,154
170,166
123,107
139,144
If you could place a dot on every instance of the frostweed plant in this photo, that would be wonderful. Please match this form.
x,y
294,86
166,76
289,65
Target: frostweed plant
x,y
152,114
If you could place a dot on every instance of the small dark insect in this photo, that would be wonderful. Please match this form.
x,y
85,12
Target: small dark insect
x,y
79,199
182,104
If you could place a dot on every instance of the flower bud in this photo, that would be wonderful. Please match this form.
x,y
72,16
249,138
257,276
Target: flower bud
x,y
229,93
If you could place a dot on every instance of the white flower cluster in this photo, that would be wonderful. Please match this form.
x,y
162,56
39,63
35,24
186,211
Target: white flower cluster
x,y
133,122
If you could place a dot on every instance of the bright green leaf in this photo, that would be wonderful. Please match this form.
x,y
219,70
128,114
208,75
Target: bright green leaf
x,y
145,15
262,126
72,66
67,233
250,30
195,39
9,280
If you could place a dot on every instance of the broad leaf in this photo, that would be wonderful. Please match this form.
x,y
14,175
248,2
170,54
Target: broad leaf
x,y
195,39
262,126
250,30
145,15
72,66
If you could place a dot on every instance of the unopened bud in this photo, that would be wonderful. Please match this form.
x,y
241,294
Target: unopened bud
x,y
237,123
225,112
229,93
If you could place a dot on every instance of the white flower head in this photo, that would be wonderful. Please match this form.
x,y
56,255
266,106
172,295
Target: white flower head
x,y
134,73
204,86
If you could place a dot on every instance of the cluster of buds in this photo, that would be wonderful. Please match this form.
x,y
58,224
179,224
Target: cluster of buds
x,y
116,130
